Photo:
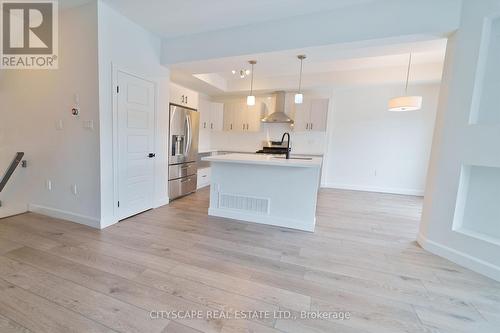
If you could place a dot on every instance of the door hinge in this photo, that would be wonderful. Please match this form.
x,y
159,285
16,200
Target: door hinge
x,y
117,89
118,203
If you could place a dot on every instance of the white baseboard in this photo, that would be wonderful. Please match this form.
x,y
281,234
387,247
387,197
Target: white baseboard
x,y
11,209
65,215
279,222
478,265
403,191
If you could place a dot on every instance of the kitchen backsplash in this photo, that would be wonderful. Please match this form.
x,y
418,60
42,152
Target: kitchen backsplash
x,y
302,143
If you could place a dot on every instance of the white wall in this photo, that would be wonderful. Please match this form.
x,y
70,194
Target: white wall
x,y
372,149
31,103
128,47
458,144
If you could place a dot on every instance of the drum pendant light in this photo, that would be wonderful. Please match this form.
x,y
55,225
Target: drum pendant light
x,y
251,97
299,98
406,103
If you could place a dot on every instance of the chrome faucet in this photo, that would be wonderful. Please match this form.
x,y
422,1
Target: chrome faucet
x,y
287,145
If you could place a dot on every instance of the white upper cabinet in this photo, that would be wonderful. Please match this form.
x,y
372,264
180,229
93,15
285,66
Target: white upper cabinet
x,y
204,110
319,115
311,115
211,115
183,96
216,116
240,117
229,117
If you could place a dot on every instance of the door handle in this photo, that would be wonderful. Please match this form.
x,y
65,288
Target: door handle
x,y
151,155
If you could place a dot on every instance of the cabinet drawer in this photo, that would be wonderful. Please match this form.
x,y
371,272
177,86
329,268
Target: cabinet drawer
x,y
182,186
204,177
181,170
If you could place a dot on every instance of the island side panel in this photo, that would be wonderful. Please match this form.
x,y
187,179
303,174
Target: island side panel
x,y
289,193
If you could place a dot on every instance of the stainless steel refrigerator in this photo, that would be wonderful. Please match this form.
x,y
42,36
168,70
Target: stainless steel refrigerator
x,y
182,151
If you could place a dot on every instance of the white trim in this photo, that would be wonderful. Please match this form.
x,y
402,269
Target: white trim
x,y
261,219
478,265
403,191
65,215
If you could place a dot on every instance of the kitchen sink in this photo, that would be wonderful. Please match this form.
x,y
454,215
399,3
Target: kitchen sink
x,y
296,158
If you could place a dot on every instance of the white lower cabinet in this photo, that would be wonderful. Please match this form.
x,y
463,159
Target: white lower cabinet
x,y
203,177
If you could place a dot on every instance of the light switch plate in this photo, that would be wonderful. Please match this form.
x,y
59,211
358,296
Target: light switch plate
x,y
88,124
59,125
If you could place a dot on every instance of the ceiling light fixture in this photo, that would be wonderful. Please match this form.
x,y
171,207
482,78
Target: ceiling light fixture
x,y
299,98
406,103
251,97
242,73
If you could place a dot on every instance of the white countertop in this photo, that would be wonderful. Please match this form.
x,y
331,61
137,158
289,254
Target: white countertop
x,y
262,159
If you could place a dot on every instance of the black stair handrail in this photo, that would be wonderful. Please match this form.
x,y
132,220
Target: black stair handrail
x,y
11,169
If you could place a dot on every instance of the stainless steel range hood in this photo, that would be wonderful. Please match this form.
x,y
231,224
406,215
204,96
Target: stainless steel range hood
x,y
279,115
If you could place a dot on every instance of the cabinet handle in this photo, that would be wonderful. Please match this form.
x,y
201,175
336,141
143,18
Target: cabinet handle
x,y
212,126
311,127
243,126
231,127
307,125
204,124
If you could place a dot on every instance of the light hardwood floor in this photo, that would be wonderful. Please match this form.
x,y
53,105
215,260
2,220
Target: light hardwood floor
x,y
57,276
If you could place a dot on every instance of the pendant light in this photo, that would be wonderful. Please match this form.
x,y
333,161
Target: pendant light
x,y
406,103
299,98
251,97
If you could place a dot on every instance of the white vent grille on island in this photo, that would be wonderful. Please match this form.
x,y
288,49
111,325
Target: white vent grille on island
x,y
244,203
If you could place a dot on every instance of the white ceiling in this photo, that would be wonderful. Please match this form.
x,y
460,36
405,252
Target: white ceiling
x,y
320,60
173,18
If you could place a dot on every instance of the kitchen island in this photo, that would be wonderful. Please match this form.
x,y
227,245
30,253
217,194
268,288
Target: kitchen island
x,y
265,189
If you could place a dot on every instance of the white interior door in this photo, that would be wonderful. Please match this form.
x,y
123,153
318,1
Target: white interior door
x,y
136,123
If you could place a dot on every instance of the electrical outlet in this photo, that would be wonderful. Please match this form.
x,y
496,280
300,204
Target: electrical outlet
x,y
48,184
74,189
